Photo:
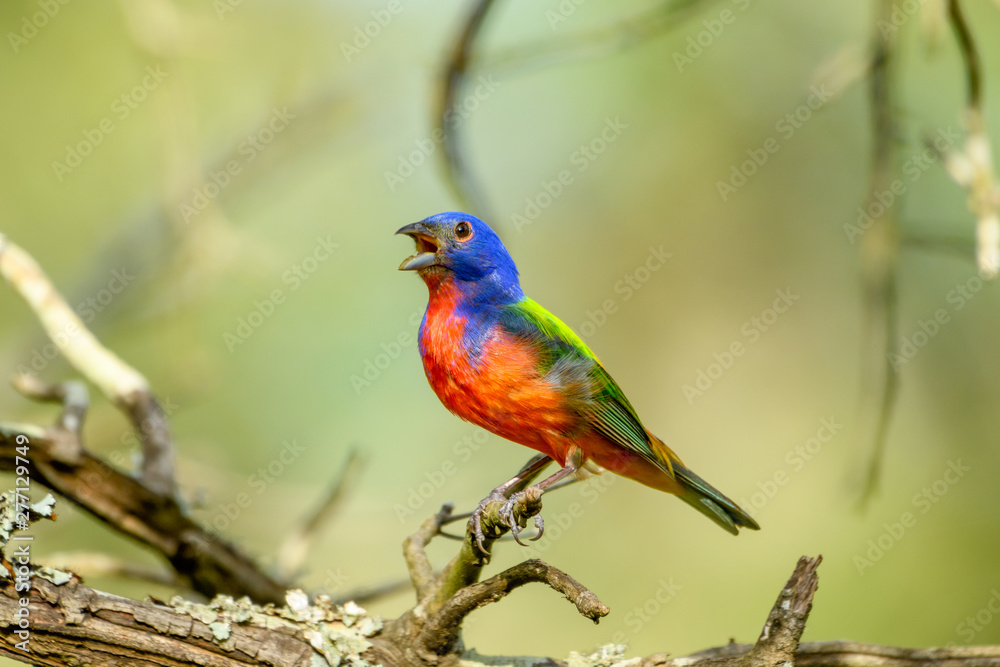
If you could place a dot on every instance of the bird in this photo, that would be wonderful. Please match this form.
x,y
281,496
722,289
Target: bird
x,y
498,359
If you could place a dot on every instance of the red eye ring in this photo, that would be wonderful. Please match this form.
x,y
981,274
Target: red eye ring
x,y
463,231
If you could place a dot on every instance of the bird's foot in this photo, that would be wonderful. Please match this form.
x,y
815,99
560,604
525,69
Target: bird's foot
x,y
511,513
522,501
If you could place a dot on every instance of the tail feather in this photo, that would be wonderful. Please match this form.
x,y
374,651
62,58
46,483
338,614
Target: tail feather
x,y
708,500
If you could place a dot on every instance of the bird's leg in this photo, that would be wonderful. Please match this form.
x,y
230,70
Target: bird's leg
x,y
574,460
528,472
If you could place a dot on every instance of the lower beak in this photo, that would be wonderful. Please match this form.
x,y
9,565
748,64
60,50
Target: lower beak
x,y
427,246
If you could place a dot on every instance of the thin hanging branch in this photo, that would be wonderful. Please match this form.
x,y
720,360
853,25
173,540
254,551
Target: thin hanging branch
x,y
456,164
607,40
880,243
973,169
300,540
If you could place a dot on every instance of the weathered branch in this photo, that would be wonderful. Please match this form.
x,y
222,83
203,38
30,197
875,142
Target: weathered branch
x,y
843,654
414,550
779,640
207,563
122,384
73,624
441,632
466,567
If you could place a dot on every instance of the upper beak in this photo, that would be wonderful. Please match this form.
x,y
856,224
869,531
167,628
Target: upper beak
x,y
427,247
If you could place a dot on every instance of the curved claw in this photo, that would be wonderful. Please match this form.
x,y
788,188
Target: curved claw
x,y
508,519
477,530
540,526
476,520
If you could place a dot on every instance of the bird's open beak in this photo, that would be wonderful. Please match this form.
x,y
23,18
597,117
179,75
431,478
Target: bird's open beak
x,y
427,247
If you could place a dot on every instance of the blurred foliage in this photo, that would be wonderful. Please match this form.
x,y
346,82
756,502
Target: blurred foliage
x,y
339,120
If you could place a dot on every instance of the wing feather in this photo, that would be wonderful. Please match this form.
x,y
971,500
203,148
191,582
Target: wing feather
x,y
587,386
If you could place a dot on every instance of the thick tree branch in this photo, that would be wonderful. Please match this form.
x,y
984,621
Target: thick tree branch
x,y
842,654
208,564
73,624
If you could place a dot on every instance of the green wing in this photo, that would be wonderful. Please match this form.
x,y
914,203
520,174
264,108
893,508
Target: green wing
x,y
589,389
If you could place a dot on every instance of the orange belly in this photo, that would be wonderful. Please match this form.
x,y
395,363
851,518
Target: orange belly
x,y
500,388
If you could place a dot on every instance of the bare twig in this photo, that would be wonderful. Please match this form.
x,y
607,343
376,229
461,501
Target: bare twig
x,y
603,41
300,540
72,396
121,383
441,632
421,572
466,567
457,171
880,244
970,55
974,170
779,640
67,433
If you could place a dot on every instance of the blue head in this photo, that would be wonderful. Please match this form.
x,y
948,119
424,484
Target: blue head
x,y
462,248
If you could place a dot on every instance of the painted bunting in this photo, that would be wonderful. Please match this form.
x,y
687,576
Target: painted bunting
x,y
498,359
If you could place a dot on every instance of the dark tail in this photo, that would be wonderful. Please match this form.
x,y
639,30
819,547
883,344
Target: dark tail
x,y
708,500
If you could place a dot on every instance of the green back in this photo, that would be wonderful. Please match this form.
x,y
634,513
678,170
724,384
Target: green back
x,y
588,388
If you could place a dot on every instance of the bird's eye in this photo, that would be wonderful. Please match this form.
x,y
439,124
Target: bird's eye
x,y
463,231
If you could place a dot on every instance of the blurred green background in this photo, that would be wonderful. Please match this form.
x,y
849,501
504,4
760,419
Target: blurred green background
x,y
313,128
